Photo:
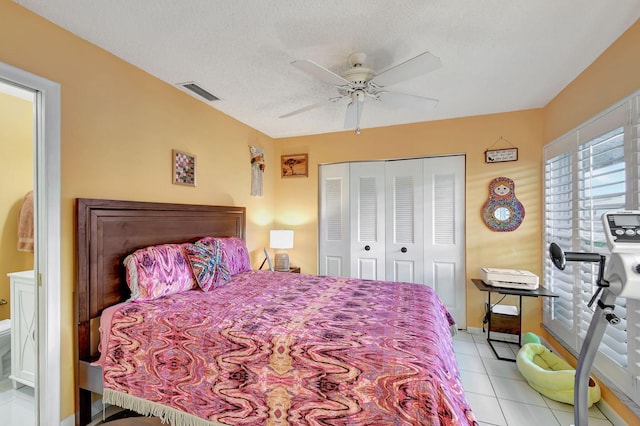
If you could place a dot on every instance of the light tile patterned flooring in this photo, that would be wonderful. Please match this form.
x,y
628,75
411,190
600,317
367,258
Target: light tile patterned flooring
x,y
17,406
499,395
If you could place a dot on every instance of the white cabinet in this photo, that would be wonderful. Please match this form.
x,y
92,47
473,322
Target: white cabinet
x,y
23,323
397,220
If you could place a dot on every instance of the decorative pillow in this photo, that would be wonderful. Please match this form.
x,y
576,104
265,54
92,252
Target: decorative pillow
x,y
157,271
209,264
236,253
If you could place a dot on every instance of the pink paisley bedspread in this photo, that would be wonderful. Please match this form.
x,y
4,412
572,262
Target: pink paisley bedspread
x,y
278,348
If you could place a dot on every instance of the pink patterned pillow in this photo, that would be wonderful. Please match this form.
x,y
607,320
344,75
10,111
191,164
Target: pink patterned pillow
x,y
209,264
157,271
235,251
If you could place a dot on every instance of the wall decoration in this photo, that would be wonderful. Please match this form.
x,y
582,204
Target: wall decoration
x,y
502,212
257,170
501,155
184,168
294,165
495,155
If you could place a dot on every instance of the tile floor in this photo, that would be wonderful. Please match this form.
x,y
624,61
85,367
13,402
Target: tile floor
x,y
17,406
499,395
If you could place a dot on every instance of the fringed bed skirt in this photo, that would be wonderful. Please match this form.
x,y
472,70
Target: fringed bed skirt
x,y
150,408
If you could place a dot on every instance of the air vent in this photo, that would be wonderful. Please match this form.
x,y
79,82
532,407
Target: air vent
x,y
195,88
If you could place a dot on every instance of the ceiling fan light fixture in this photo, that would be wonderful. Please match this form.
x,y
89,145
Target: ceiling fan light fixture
x,y
358,75
359,82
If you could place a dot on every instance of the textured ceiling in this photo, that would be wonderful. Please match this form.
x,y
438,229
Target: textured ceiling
x,y
497,55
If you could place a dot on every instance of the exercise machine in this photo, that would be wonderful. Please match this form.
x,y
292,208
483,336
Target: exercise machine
x,y
619,278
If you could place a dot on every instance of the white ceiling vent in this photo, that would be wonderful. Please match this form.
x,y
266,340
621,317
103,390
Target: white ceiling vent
x,y
194,88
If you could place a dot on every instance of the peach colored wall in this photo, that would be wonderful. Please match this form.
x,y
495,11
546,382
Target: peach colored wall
x,y
297,199
16,179
118,127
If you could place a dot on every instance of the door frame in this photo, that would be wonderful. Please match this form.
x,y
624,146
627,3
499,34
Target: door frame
x,y
47,108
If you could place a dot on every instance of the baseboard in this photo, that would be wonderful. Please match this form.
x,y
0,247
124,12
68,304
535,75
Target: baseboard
x,y
610,414
69,421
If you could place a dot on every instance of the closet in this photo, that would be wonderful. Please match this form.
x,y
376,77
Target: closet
x,y
396,220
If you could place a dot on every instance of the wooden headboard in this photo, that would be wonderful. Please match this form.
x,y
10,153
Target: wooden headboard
x,y
109,230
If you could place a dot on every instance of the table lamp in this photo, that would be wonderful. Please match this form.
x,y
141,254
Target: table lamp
x,y
281,240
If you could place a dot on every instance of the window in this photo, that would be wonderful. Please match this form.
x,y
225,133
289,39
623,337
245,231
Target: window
x,y
591,170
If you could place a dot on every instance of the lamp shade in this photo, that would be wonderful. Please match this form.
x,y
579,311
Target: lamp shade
x,y
281,239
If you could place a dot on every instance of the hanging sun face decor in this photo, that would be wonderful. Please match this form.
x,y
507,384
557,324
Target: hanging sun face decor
x,y
502,212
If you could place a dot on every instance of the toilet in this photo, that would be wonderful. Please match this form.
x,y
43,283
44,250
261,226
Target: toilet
x,y
5,348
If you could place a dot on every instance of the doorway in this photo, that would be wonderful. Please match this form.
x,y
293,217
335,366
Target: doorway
x,y
18,353
46,188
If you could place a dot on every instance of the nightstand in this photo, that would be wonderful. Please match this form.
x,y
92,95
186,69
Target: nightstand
x,y
294,269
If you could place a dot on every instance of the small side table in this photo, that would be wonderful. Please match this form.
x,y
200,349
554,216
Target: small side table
x,y
539,292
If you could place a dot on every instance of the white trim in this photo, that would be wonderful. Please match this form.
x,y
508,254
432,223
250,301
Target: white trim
x,y
610,414
47,257
18,92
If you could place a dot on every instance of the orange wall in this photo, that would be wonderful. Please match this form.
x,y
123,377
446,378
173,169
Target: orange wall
x,y
16,179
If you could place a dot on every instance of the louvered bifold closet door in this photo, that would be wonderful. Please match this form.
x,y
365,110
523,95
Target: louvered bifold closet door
x,y
367,220
334,220
404,221
444,209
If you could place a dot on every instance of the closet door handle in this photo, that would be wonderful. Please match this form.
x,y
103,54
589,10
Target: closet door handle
x,y
367,247
403,249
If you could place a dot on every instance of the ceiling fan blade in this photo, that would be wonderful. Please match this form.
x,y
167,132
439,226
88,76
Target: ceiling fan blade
x,y
354,112
319,72
310,107
421,64
402,100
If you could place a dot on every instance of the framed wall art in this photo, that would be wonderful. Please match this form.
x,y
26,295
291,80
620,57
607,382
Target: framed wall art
x,y
184,168
294,165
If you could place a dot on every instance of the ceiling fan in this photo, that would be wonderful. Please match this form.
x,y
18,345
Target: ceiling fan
x,y
360,83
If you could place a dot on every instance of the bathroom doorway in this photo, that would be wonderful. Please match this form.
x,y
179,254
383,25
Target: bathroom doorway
x,y
45,171
18,352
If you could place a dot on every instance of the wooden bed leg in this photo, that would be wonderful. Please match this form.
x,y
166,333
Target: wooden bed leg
x,y
84,405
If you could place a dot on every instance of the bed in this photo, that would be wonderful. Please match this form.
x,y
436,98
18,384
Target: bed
x,y
265,348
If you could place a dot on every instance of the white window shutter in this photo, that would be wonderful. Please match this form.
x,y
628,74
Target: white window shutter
x,y
589,171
